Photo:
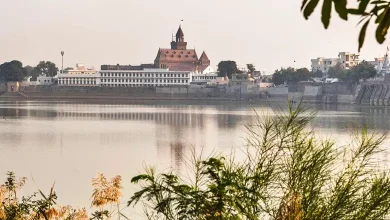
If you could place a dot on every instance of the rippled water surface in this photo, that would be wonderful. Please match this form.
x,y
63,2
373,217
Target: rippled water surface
x,y
69,142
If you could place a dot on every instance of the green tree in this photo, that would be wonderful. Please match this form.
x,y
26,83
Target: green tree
x,y
227,68
12,71
363,71
337,71
318,74
287,174
291,75
367,10
251,68
46,68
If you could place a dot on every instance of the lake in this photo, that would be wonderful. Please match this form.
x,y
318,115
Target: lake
x,y
68,143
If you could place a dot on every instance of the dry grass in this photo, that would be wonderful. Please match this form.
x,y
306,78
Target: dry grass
x,y
104,193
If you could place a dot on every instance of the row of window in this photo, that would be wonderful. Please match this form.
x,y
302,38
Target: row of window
x,y
77,82
145,80
169,75
204,77
135,85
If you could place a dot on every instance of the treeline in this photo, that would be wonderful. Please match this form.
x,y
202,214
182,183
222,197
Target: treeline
x,y
291,75
362,71
15,71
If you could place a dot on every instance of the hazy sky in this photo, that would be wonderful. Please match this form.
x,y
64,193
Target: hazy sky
x,y
268,33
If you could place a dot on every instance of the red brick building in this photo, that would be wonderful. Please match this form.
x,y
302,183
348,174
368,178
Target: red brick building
x,y
179,58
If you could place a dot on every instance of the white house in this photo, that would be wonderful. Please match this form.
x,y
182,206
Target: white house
x,y
323,64
43,80
79,76
348,60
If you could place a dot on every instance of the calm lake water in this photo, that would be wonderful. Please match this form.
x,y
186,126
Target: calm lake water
x,y
69,142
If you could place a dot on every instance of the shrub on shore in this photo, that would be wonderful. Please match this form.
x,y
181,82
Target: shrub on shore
x,y
288,174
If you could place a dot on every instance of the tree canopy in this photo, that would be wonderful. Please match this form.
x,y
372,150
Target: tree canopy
x,y
368,10
251,68
227,68
291,75
363,71
12,71
46,68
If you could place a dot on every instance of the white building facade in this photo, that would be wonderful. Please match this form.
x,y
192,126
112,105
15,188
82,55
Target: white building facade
x,y
79,76
198,78
323,64
44,80
144,78
346,59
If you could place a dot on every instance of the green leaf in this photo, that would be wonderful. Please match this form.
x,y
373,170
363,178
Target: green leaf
x,y
383,26
363,5
303,4
310,8
136,179
341,8
362,34
326,11
124,216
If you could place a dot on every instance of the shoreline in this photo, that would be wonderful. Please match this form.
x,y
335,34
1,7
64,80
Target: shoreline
x,y
122,99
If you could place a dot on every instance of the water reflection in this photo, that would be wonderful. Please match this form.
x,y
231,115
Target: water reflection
x,y
77,140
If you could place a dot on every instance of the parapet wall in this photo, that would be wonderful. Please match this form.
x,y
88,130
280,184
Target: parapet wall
x,y
316,92
250,91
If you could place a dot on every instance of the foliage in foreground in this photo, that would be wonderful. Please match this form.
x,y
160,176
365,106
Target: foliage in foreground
x,y
287,174
377,11
40,206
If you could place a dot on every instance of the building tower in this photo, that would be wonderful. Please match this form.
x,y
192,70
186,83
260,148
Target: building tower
x,y
385,66
179,44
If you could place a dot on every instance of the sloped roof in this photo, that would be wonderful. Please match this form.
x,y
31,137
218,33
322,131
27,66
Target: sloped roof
x,y
183,67
170,55
204,58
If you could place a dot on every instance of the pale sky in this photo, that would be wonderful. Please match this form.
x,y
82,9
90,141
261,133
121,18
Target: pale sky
x,y
268,33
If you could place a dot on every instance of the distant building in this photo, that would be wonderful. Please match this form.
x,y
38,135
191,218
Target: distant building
x,y
43,80
323,64
179,58
377,63
239,78
144,78
126,67
79,76
346,59
381,64
200,78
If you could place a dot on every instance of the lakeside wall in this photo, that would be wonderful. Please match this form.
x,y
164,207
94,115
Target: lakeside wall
x,y
316,92
250,91
309,92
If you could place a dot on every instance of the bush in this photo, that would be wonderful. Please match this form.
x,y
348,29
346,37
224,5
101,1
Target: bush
x,y
288,173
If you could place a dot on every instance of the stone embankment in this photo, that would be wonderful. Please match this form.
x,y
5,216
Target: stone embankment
x,y
128,93
374,94
335,93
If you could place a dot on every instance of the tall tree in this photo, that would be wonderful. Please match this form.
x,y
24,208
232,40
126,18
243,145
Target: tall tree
x,y
227,68
12,71
46,68
251,68
367,10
